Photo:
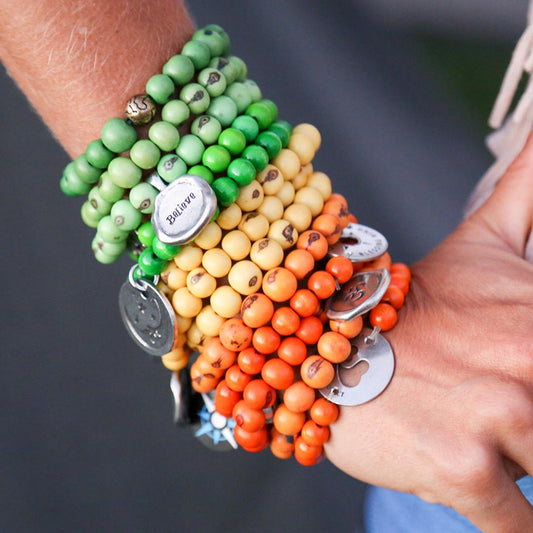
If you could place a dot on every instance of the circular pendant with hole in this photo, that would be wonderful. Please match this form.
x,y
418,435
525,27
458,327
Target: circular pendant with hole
x,y
359,243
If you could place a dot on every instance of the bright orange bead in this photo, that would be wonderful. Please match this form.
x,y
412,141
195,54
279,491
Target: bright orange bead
x,y
266,340
280,445
334,347
211,369
324,413
225,399
288,422
401,268
310,329
399,280
313,434
352,218
383,261
292,350
251,441
279,284
285,321
384,316
257,310
250,361
339,198
349,328
300,263
217,354
337,208
304,302
259,395
317,372
202,382
247,418
314,242
329,226
307,455
277,373
235,334
299,397
236,378
394,296
341,268
322,283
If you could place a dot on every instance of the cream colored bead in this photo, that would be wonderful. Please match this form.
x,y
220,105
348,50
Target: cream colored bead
x,y
255,225
300,180
185,303
236,244
271,208
176,359
209,322
299,215
288,162
284,233
226,301
164,289
251,196
217,262
245,277
320,182
195,338
190,257
311,198
267,253
271,179
230,217
209,237
174,277
303,146
286,193
201,283
183,323
311,132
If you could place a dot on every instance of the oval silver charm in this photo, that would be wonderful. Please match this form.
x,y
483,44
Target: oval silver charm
x,y
358,295
148,317
183,209
374,351
359,243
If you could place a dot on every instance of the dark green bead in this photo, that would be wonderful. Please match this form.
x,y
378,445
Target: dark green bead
x,y
160,88
165,251
102,206
198,52
145,233
125,216
171,167
138,273
117,135
108,190
206,128
241,171
213,40
176,112
226,191
180,69
257,155
202,172
271,105
98,155
270,142
283,130
196,97
262,113
71,184
85,171
233,140
239,93
109,232
216,158
225,37
240,67
248,126
223,65
213,80
150,263
90,216
224,109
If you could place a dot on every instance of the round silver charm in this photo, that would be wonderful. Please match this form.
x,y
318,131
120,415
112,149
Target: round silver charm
x,y
183,209
358,295
140,109
350,387
148,317
359,243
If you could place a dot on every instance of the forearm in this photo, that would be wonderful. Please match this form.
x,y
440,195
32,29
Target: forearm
x,y
79,61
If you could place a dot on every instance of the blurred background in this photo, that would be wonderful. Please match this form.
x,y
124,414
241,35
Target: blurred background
x,y
401,90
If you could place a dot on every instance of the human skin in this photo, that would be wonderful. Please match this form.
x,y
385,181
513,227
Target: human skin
x,y
455,426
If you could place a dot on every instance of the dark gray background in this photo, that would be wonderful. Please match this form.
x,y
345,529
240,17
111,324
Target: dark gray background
x,y
86,435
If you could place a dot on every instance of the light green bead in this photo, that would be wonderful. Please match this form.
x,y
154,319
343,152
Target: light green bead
x,y
176,112
90,215
196,97
240,67
202,172
160,87
71,184
253,90
110,249
104,258
98,155
145,154
124,172
206,128
224,109
117,135
102,206
142,197
190,149
109,232
125,216
225,38
240,94
198,52
213,40
165,135
213,80
85,171
226,67
171,167
180,69
108,190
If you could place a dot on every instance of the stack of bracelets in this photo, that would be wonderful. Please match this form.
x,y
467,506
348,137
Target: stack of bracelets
x,y
253,282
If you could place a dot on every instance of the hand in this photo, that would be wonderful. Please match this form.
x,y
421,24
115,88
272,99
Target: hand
x,y
455,425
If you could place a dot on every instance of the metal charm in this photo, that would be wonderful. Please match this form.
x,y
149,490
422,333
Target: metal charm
x,y
358,295
183,209
371,349
187,402
216,431
148,316
359,243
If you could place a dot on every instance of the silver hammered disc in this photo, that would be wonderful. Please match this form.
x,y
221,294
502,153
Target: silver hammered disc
x,y
183,209
148,317
358,295
379,357
359,243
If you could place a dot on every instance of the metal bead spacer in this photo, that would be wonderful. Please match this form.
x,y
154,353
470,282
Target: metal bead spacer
x,y
140,109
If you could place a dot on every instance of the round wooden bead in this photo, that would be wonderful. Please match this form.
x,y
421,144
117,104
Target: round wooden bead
x,y
245,277
209,237
217,262
284,233
267,253
320,182
209,322
299,215
190,257
303,147
271,208
255,225
140,109
311,198
271,179
185,303
311,132
288,162
286,193
174,277
226,301
230,217
236,244
251,196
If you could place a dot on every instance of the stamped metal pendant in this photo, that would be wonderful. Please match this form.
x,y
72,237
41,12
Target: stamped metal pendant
x,y
148,316
183,209
358,295
359,243
365,374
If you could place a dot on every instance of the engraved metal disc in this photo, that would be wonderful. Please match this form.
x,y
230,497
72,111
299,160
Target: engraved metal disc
x,y
148,317
358,295
359,243
379,357
183,209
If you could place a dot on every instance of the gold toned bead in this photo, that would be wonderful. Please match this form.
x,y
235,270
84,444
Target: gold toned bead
x,y
217,262
230,217
245,277
250,196
286,193
226,301
271,208
320,182
236,244
311,198
209,322
299,215
209,237
284,233
311,132
190,257
200,283
288,162
140,110
267,253
271,179
255,225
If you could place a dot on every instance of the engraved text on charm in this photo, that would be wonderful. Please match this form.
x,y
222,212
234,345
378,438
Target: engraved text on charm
x,y
359,243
